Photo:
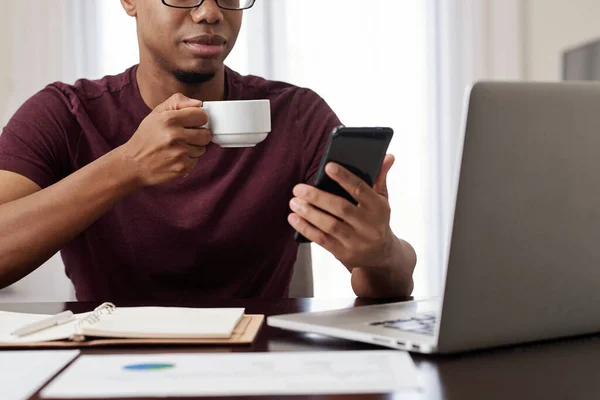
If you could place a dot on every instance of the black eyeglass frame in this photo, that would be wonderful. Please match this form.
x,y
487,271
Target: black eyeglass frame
x,y
199,3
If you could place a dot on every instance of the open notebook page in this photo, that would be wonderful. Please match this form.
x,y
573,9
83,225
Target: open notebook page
x,y
165,323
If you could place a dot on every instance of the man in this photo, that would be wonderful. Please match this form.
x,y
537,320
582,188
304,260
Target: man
x,y
143,206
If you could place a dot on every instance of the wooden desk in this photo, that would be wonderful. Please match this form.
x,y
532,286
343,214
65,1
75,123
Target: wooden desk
x,y
551,370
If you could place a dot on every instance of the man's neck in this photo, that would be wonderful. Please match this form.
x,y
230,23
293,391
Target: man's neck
x,y
156,86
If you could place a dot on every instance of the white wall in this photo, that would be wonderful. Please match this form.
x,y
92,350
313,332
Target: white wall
x,y
511,39
551,26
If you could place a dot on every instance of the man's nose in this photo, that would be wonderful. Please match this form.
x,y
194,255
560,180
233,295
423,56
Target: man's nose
x,y
208,13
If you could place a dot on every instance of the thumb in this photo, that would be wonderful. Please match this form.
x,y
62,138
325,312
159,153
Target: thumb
x,y
177,102
380,186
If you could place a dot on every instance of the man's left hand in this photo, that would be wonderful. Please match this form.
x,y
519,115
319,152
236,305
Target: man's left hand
x,y
357,235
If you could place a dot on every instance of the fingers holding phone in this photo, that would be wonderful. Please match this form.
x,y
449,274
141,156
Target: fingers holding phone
x,y
356,234
359,152
347,210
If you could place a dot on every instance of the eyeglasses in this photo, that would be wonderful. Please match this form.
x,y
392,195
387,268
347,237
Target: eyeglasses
x,y
224,4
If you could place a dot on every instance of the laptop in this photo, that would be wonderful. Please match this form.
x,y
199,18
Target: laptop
x,y
523,261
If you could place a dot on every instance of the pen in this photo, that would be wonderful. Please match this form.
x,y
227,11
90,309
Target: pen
x,y
54,320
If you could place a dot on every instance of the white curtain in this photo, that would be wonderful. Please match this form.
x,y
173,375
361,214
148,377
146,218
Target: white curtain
x,y
42,42
474,40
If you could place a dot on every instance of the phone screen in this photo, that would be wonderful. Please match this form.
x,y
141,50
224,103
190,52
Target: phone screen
x,y
362,156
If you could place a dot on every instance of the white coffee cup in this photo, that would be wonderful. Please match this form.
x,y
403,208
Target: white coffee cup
x,y
238,123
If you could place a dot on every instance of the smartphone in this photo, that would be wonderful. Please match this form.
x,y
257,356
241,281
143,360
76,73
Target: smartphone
x,y
360,150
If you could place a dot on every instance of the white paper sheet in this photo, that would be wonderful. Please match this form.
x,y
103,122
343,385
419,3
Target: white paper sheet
x,y
22,373
107,376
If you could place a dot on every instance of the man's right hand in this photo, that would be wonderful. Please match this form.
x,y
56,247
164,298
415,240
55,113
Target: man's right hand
x,y
169,141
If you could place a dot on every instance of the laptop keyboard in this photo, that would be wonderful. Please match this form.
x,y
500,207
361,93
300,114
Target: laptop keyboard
x,y
421,324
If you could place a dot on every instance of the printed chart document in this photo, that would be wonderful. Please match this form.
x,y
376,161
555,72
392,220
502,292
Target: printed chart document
x,y
241,374
22,373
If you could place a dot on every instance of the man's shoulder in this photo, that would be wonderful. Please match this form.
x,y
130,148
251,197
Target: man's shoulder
x,y
64,103
90,89
252,86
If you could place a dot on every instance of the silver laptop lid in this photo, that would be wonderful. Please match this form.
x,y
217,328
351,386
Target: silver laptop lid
x,y
524,258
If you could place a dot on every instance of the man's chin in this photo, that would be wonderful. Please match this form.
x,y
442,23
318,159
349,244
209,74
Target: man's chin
x,y
193,77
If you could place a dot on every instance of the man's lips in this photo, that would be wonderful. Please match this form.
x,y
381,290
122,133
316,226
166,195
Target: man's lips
x,y
206,45
207,39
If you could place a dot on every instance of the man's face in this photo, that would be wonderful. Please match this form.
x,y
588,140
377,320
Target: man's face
x,y
186,41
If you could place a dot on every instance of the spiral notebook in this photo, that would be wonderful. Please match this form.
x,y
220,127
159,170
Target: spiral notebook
x,y
110,325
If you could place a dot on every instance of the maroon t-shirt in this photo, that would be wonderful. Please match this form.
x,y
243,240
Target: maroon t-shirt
x,y
220,232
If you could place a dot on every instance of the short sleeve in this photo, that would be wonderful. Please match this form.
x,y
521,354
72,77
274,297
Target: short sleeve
x,y
317,120
35,142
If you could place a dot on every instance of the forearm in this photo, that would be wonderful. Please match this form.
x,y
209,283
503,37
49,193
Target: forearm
x,y
35,227
394,279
